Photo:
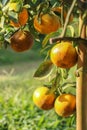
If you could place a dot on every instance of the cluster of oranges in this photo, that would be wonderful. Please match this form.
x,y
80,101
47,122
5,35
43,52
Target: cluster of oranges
x,y
49,23
64,105
43,23
62,55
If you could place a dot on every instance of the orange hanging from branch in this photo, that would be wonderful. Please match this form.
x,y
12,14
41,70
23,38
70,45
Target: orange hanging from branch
x,y
64,55
48,23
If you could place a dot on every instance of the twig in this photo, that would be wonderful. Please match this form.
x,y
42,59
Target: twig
x,y
77,39
65,24
68,16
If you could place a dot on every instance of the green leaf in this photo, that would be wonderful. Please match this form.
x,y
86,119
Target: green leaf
x,y
43,70
64,73
15,6
71,30
2,21
13,16
47,37
4,1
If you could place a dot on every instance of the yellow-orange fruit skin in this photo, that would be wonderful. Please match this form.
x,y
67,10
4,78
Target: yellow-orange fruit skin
x,y
22,18
65,105
48,23
43,99
64,55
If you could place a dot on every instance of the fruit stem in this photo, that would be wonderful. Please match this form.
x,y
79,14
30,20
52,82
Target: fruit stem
x,y
81,91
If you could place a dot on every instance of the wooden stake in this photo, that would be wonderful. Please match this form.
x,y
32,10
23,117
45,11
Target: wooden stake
x,y
81,91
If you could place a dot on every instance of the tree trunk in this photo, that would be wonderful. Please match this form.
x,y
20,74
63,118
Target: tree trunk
x,y
81,90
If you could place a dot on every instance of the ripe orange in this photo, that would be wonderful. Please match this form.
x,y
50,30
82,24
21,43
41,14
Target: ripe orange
x,y
21,41
64,55
49,23
59,9
43,98
65,105
22,18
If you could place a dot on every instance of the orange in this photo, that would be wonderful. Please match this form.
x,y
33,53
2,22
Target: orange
x,y
64,55
43,98
48,23
21,41
65,105
22,18
59,9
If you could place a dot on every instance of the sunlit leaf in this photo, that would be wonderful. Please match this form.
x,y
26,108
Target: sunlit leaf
x,y
15,6
71,30
13,16
43,70
47,37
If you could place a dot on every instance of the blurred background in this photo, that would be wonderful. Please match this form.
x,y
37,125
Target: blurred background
x,y
17,110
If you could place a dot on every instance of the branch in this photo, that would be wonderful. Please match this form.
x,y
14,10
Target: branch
x,y
65,25
68,16
76,39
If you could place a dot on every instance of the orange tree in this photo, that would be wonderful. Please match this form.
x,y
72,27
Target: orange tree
x,y
63,25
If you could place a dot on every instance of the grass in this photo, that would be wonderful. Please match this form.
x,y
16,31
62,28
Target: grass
x,y
17,110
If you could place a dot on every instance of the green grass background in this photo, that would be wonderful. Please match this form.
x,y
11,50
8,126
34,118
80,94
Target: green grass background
x,y
17,110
